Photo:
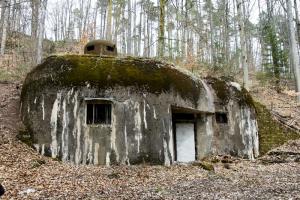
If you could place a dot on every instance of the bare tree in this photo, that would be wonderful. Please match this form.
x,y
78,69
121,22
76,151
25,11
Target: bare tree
x,y
109,20
161,37
35,5
129,27
243,43
297,22
293,47
41,28
4,26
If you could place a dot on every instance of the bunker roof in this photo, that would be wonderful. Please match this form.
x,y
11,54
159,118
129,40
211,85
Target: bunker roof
x,y
100,47
100,42
108,72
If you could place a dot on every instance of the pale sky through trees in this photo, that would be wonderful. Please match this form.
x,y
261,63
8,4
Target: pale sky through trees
x,y
53,5
201,31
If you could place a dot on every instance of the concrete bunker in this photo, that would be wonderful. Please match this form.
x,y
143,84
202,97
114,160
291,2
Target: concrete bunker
x,y
89,109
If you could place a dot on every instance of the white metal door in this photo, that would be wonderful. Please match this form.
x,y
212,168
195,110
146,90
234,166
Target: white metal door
x,y
185,142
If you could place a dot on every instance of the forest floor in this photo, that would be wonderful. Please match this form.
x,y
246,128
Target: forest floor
x,y
28,175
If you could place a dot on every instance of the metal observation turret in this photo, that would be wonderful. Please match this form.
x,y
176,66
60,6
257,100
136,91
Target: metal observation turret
x,y
101,47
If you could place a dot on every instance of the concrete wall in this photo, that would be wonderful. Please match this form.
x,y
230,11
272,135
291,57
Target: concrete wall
x,y
141,128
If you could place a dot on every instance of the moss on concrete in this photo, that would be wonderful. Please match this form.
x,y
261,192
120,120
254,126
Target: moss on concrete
x,y
107,72
225,91
221,88
271,133
244,97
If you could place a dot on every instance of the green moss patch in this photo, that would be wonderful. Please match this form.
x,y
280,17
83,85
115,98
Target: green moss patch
x,y
205,165
271,133
225,91
244,97
221,88
107,72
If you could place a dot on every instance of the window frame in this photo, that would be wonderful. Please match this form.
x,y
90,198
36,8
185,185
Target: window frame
x,y
93,102
219,115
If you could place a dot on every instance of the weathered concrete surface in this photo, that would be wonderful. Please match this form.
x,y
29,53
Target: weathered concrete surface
x,y
101,47
143,93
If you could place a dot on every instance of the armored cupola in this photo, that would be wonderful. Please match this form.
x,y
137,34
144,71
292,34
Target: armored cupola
x,y
101,47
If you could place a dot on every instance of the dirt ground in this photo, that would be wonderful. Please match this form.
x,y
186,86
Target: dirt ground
x,y
27,175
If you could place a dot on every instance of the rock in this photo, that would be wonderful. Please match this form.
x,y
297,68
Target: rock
x,y
205,165
226,166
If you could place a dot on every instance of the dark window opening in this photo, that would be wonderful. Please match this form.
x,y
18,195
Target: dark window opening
x,y
89,113
98,113
90,48
221,118
109,48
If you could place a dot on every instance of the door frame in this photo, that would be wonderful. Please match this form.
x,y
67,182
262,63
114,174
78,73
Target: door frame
x,y
175,121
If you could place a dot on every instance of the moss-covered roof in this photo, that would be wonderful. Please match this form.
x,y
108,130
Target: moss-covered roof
x,y
100,42
108,72
225,91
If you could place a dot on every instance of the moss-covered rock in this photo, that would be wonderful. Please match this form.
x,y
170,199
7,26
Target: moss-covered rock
x,y
205,165
108,72
271,133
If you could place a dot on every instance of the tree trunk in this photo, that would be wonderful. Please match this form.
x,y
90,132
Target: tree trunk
x,y
117,22
237,57
212,30
123,40
129,51
4,27
35,4
297,22
3,5
274,45
243,44
169,19
39,52
109,17
85,18
161,38
148,37
293,47
134,30
226,33
81,4
145,31
140,29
